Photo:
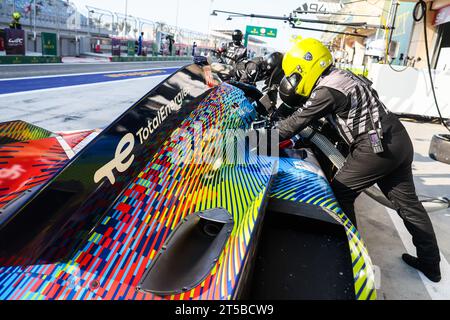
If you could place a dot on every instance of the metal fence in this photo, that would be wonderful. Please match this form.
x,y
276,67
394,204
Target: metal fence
x,y
65,17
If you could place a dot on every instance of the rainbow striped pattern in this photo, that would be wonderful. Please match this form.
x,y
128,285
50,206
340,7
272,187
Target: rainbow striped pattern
x,y
299,181
17,131
34,163
109,262
112,260
30,156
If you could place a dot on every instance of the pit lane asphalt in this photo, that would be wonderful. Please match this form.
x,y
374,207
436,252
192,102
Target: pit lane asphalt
x,y
22,71
76,74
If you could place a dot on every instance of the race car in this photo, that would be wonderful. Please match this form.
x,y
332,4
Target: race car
x,y
180,198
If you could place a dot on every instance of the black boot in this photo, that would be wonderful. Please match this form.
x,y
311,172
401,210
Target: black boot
x,y
431,270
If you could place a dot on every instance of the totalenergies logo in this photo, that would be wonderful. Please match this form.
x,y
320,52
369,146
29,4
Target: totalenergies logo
x,y
124,157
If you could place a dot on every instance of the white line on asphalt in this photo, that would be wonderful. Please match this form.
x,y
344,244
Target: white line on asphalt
x,y
90,63
82,86
437,291
114,63
84,74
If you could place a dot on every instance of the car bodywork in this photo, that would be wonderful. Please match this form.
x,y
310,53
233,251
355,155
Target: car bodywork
x,y
111,214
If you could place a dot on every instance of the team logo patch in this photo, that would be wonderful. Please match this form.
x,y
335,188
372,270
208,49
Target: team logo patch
x,y
308,56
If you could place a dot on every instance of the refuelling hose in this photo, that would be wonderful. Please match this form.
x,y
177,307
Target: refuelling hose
x,y
338,160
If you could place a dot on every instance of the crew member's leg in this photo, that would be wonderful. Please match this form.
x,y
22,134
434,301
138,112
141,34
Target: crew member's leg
x,y
361,170
400,190
393,173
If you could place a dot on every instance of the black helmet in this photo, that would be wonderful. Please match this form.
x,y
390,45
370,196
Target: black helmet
x,y
288,92
237,36
272,61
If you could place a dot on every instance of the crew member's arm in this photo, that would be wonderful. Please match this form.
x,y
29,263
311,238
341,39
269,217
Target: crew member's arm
x,y
323,101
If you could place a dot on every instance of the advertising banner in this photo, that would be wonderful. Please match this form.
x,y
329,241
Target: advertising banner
x,y
49,44
262,32
15,42
259,32
2,40
131,48
115,47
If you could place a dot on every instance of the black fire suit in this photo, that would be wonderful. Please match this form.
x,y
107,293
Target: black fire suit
x,y
346,101
15,24
235,52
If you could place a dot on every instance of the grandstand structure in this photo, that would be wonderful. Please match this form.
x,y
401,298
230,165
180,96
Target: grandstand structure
x,y
58,16
91,30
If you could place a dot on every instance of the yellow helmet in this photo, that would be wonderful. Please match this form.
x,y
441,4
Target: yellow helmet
x,y
304,63
16,15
